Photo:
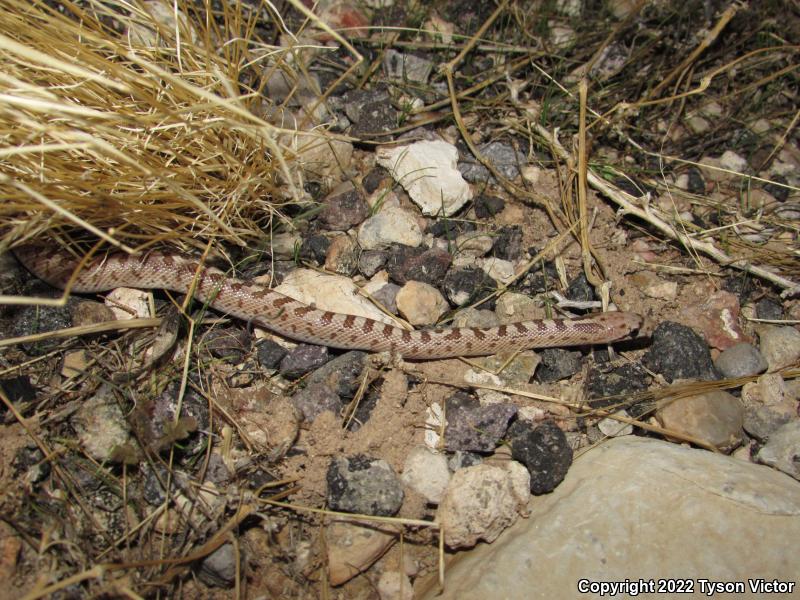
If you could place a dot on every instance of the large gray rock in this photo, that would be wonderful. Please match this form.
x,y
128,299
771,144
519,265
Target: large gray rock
x,y
640,508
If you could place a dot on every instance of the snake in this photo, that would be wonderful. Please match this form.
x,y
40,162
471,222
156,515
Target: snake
x,y
265,307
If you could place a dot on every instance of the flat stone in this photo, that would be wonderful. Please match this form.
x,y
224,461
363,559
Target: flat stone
x,y
782,451
715,417
741,360
427,171
392,225
639,508
420,303
780,346
352,548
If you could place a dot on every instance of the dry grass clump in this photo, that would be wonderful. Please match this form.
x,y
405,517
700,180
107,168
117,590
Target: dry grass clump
x,y
127,123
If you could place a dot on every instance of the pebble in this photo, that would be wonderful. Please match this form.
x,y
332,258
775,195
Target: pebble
x,y
101,425
544,450
159,420
513,306
614,428
229,343
579,290
770,309
780,346
475,428
474,244
88,312
375,118
464,286
356,101
487,206
427,171
303,359
420,303
782,450
518,371
30,320
270,353
313,400
392,225
426,473
768,405
363,485
610,380
128,303
475,317
406,264
342,256
502,156
343,208
508,243
75,363
406,67
387,296
686,494
218,569
370,262
741,360
558,364
315,248
394,585
498,269
654,286
715,417
733,162
480,502
18,389
718,319
449,229
343,374
353,548
678,352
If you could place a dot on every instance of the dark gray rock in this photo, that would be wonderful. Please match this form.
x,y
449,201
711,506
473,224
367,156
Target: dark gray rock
x,y
18,389
303,359
544,450
364,485
30,320
488,206
387,296
580,290
449,229
270,354
768,308
558,364
696,183
343,374
316,399
315,249
218,569
475,428
370,262
503,157
779,192
230,343
678,352
466,285
508,243
373,180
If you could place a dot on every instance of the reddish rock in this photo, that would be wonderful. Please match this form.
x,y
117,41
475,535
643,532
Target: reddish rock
x,y
718,319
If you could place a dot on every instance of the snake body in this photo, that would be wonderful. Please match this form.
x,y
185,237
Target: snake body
x,y
284,315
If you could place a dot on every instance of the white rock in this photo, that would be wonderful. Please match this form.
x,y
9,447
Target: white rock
x,y
498,269
140,33
427,171
426,473
782,450
434,418
101,426
520,479
613,428
321,157
394,585
513,306
561,36
733,162
780,346
392,225
127,303
329,292
480,502
420,303
639,508
474,244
